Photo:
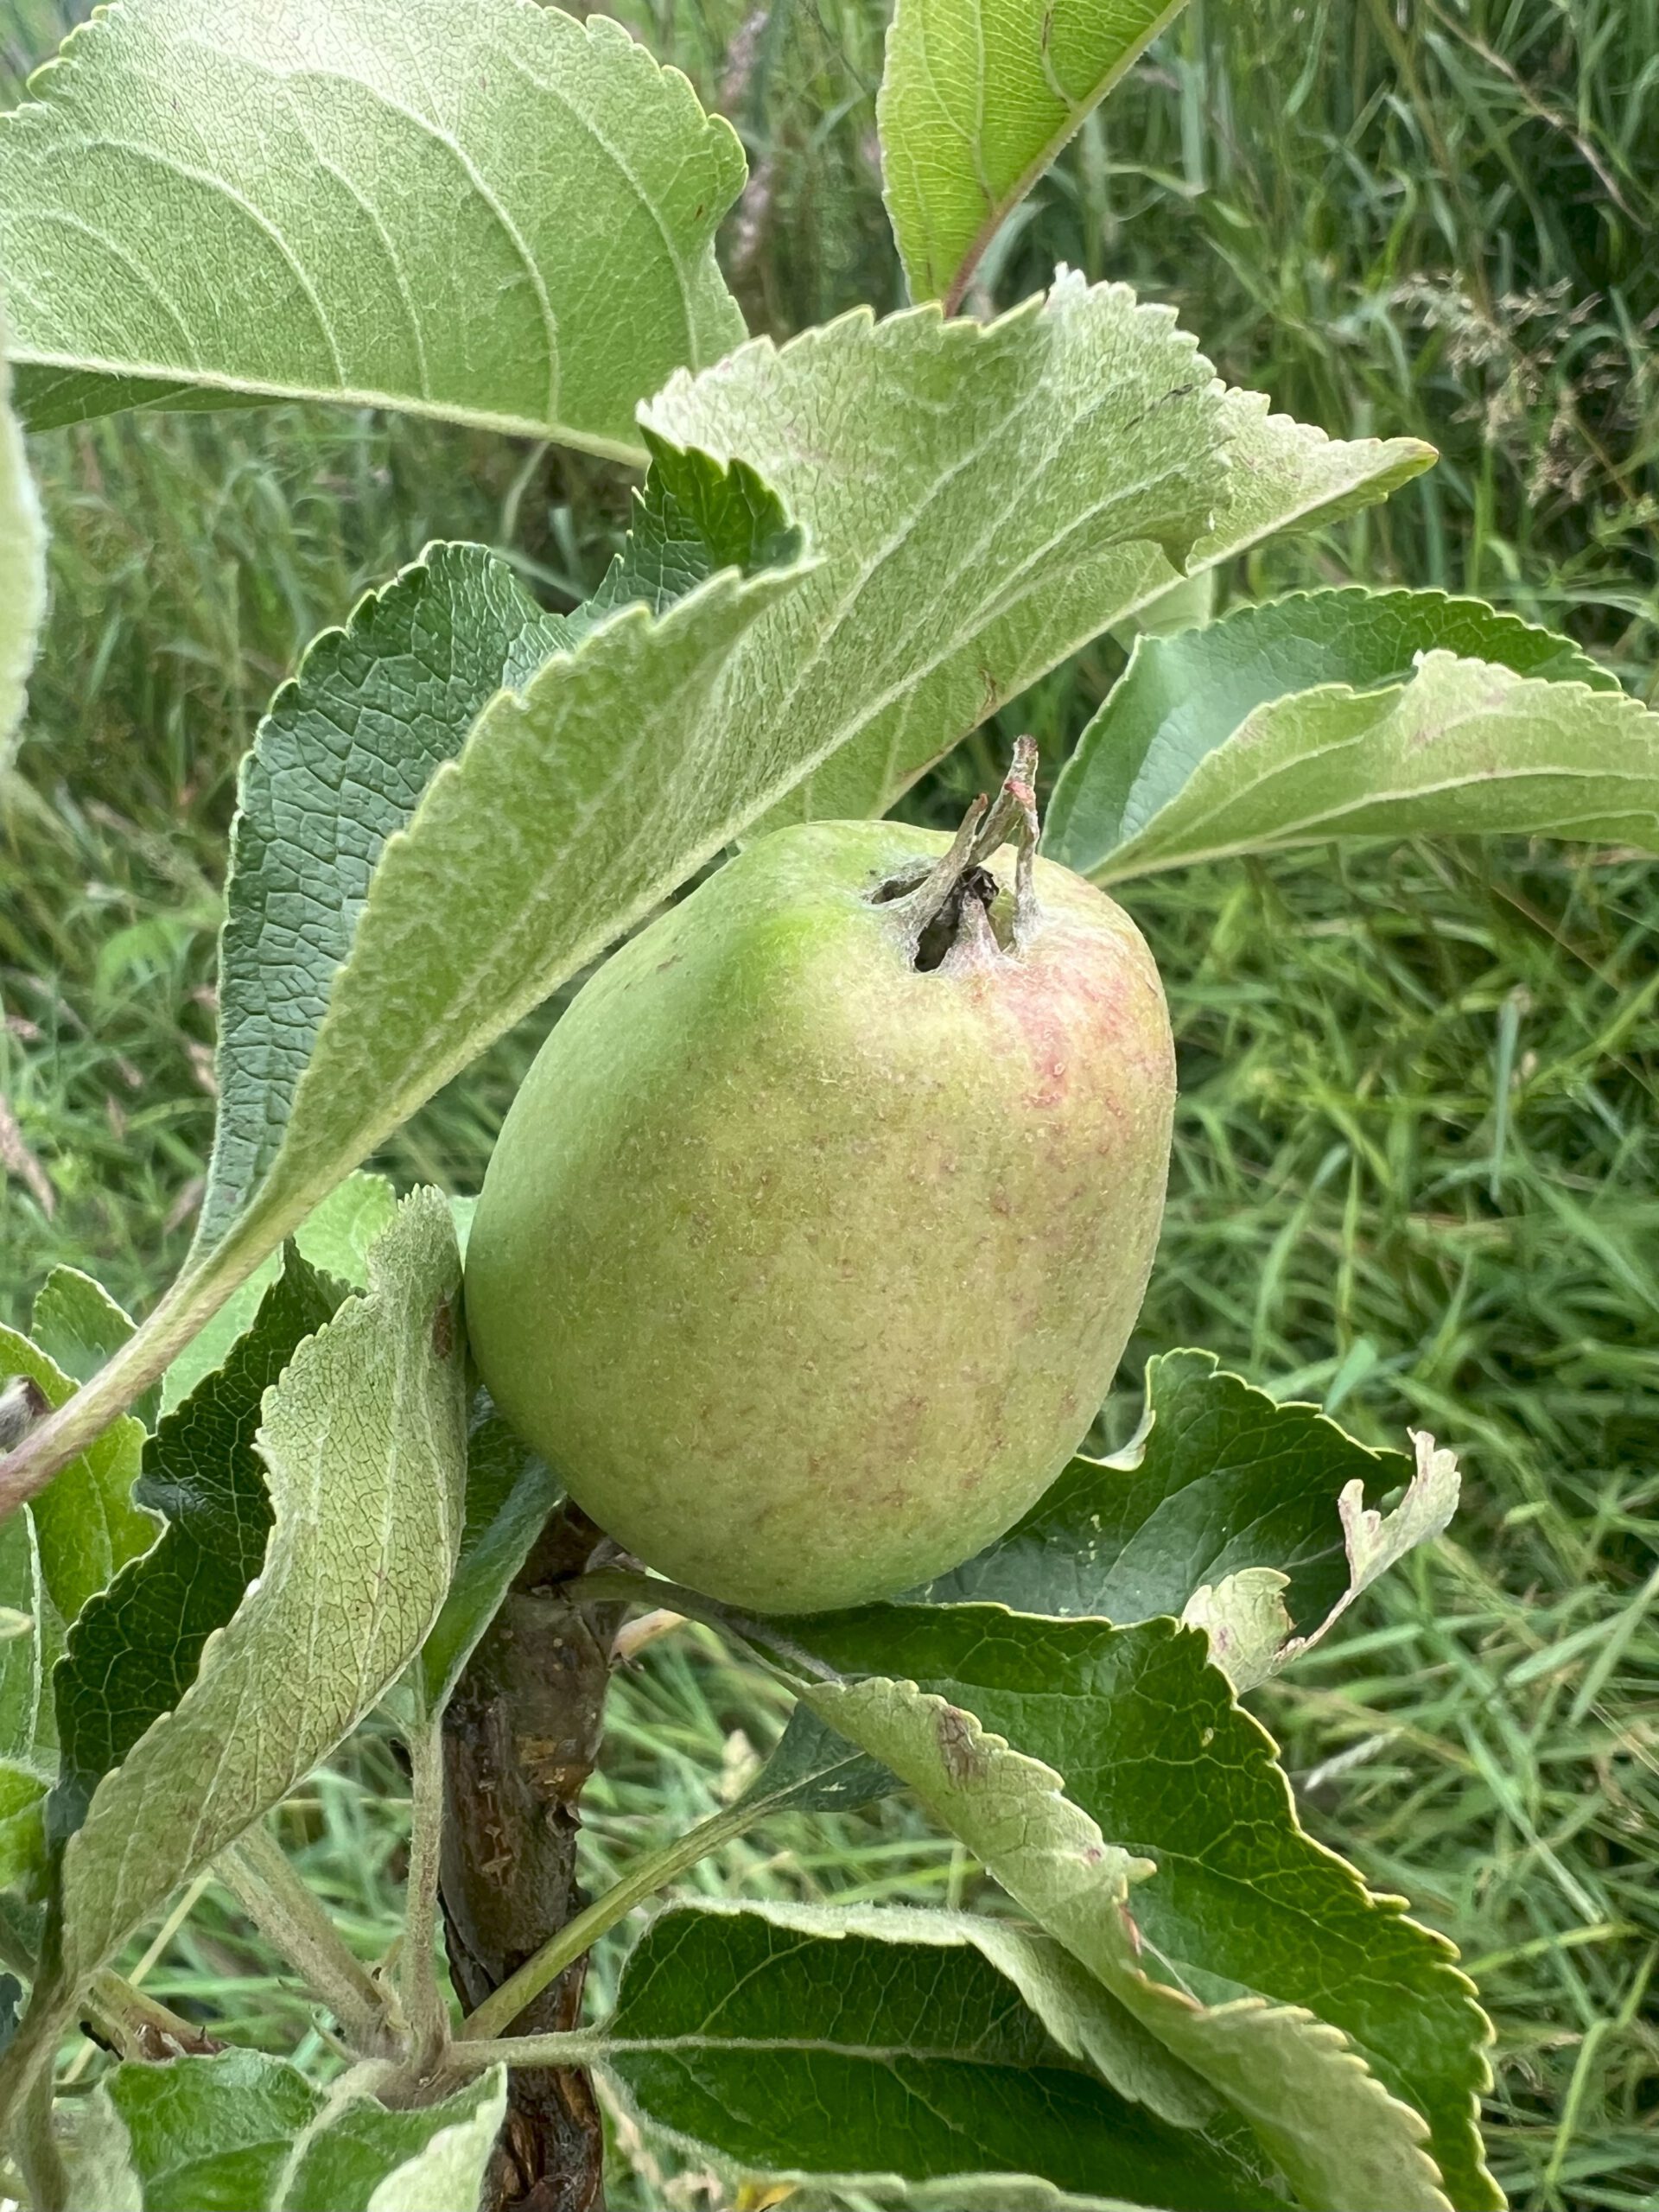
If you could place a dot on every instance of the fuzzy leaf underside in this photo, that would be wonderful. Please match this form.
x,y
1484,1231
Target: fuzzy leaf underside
x,y
135,1650
983,500
902,2047
1157,1756
1218,1478
974,494
1461,748
350,745
573,809
248,2130
22,564
339,766
1185,696
362,1441
86,1524
1342,2141
495,214
977,98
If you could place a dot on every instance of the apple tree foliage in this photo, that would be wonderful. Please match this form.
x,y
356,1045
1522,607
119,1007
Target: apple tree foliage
x,y
233,1531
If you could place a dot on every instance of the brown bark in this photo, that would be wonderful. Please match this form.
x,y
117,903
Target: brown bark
x,y
521,1736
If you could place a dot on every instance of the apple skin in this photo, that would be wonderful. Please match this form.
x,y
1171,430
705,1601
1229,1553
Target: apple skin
x,y
805,1268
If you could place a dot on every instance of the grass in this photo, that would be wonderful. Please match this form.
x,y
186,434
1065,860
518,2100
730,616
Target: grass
x,y
1417,1169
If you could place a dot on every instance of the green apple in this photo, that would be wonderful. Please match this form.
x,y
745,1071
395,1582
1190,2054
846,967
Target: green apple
x,y
813,1238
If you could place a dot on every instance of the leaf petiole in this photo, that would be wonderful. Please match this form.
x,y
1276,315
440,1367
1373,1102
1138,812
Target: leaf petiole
x,y
258,1874
423,2006
654,1871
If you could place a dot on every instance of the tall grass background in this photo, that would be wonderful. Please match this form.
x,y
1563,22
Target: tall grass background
x,y
1417,1161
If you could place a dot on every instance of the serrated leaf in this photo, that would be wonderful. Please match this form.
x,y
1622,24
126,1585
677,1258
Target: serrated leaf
x,y
813,1768
363,1443
575,808
1462,748
1160,1761
1343,2142
510,1493
864,2043
983,500
350,747
1291,476
339,766
494,214
1218,1478
135,1650
691,520
336,1238
974,494
248,2133
1184,695
86,1523
977,99
22,564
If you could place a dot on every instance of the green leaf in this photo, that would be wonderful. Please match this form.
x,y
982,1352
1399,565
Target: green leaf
x,y
977,99
29,1739
859,2043
363,2158
22,565
575,808
1162,1767
1184,695
336,1238
1343,2144
134,1651
23,1821
1462,748
691,519
1218,1478
77,1324
494,214
973,494
351,746
246,2132
338,768
362,1441
982,499
813,1768
86,1524
510,1493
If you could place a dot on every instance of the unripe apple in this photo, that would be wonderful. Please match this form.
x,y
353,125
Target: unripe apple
x,y
812,1240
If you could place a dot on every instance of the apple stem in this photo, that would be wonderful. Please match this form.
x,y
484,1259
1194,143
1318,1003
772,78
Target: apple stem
x,y
1014,819
1011,818
933,894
